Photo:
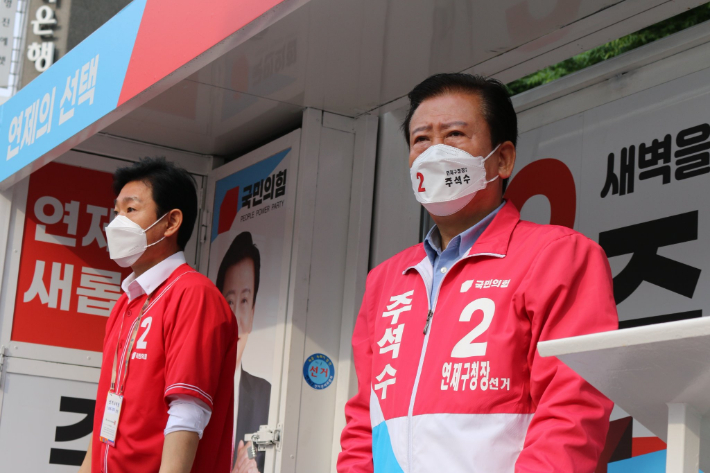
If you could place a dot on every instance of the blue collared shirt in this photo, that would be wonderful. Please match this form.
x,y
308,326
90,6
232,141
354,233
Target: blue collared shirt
x,y
442,261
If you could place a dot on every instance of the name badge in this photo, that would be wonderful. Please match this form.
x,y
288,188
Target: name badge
x,y
109,425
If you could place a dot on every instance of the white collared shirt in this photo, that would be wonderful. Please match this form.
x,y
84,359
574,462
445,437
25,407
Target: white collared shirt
x,y
185,412
149,281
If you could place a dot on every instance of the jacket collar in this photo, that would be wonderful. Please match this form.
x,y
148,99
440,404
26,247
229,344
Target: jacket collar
x,y
496,238
493,241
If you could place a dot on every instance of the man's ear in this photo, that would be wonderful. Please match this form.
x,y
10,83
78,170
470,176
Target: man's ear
x,y
506,159
174,218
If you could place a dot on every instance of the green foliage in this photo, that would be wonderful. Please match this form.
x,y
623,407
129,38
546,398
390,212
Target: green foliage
x,y
612,48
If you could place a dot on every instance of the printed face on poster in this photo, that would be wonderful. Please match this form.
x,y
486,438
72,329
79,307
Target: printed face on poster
x,y
67,285
249,258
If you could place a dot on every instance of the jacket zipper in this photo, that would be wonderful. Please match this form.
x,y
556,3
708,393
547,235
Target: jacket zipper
x,y
430,316
428,321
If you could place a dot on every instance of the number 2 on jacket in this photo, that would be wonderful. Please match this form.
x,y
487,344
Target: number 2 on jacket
x,y
465,347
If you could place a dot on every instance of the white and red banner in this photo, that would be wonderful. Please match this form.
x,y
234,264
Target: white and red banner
x,y
67,285
633,175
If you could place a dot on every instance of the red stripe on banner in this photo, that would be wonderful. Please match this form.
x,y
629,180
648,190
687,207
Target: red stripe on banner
x,y
173,32
228,211
644,445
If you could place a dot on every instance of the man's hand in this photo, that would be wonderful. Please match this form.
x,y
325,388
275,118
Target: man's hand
x,y
179,451
243,463
86,465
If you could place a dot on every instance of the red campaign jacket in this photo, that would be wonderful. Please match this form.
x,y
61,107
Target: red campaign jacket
x,y
473,394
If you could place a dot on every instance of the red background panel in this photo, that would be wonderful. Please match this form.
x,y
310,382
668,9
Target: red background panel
x,y
34,321
645,445
173,32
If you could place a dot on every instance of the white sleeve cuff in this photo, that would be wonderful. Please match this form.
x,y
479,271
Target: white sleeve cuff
x,y
187,413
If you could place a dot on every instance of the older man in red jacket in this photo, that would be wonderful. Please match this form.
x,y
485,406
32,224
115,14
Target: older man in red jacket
x,y
446,340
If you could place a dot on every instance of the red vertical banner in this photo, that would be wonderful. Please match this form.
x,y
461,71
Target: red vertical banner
x,y
67,285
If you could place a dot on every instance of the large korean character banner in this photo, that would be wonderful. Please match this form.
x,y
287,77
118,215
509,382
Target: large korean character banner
x,y
67,285
249,260
632,175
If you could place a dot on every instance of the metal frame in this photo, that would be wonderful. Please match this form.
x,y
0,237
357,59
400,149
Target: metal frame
x,y
8,211
327,269
291,377
48,369
356,266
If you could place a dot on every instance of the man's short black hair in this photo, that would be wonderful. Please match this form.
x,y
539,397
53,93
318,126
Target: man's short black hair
x,y
241,248
172,188
498,109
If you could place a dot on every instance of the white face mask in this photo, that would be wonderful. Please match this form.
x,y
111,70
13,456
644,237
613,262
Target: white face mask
x,y
127,240
445,179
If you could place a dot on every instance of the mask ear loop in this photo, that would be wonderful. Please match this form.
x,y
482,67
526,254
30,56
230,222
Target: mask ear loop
x,y
489,155
144,231
155,243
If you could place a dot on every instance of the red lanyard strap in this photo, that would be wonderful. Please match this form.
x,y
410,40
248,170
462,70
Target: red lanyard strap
x,y
128,351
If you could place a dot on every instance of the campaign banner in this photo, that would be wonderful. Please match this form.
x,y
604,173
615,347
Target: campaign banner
x,y
632,175
79,89
132,52
67,285
249,261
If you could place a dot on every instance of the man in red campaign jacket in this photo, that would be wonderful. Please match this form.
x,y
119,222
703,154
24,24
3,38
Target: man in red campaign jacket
x,y
166,391
445,343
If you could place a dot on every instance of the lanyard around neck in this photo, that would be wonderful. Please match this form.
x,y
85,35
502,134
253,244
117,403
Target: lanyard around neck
x,y
128,351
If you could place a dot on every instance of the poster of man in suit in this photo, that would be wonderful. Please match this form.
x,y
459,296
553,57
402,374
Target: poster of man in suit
x,y
249,260
238,280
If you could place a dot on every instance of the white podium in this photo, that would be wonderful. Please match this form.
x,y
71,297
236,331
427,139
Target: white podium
x,y
659,374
